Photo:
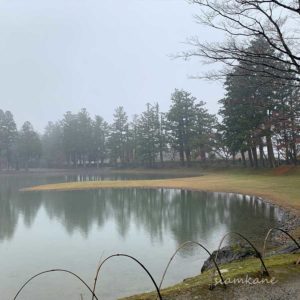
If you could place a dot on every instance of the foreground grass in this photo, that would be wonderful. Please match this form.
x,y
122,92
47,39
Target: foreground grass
x,y
280,267
280,186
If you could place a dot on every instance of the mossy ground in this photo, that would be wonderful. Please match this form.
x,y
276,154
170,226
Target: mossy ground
x,y
280,267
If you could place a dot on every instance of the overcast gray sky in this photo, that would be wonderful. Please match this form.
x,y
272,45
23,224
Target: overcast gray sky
x,y
60,55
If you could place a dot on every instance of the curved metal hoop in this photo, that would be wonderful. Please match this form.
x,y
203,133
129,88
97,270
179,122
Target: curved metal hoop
x,y
182,246
131,257
279,229
258,255
55,270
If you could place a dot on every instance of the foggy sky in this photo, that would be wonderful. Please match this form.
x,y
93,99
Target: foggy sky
x,y
60,55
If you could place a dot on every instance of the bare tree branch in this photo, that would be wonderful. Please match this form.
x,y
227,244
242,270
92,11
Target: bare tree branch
x,y
242,21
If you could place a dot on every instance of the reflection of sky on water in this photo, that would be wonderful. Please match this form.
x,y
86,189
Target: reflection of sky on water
x,y
73,229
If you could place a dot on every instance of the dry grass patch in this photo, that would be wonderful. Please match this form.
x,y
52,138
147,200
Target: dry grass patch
x,y
283,190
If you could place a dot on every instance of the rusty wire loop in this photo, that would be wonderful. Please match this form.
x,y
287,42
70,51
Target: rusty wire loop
x,y
258,255
55,270
131,257
279,229
182,246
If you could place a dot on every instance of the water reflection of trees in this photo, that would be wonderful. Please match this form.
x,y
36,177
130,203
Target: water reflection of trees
x,y
186,215
14,204
8,218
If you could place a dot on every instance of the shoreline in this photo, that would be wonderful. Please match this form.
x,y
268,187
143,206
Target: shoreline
x,y
223,181
283,190
210,182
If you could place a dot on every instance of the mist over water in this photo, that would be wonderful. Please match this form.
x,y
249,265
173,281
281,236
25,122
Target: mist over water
x,y
74,229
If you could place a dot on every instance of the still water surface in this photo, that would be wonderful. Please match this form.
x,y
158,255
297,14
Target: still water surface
x,y
75,229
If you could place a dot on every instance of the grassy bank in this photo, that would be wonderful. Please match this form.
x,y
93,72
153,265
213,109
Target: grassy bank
x,y
281,186
281,267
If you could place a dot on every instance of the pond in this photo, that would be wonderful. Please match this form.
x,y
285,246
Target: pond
x,y
75,229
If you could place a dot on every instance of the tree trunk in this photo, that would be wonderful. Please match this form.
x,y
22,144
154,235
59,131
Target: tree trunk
x,y
286,145
293,143
294,153
75,160
26,164
250,158
161,156
243,159
181,154
17,165
69,159
233,157
261,153
271,157
254,154
188,156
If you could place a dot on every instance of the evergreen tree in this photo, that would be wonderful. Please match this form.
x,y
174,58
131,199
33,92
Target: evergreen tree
x,y
71,137
99,140
190,126
204,131
251,107
52,145
119,135
8,135
29,146
148,137
85,138
182,119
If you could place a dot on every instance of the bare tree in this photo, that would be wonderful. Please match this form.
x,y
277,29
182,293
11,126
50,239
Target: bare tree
x,y
242,21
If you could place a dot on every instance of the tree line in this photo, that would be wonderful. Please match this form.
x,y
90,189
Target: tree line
x,y
259,126
259,116
260,65
78,139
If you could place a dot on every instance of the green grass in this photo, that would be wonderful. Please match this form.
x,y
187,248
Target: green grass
x,y
280,267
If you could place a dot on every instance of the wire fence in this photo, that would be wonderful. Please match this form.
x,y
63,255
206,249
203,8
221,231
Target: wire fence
x,y
215,271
